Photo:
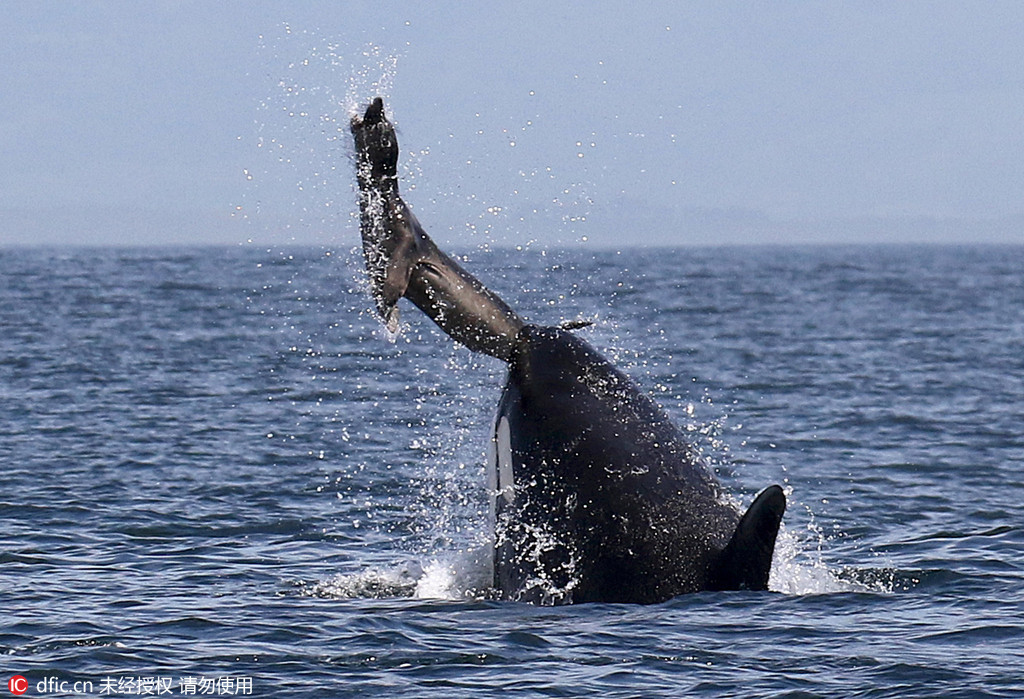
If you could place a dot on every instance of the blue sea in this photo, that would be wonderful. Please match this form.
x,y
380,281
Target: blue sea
x,y
222,476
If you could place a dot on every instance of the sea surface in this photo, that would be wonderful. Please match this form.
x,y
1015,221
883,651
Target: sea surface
x,y
221,474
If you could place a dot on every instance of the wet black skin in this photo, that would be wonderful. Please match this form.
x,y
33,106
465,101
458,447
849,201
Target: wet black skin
x,y
609,502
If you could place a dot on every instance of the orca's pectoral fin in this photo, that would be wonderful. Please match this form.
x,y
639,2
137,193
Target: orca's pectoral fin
x,y
747,559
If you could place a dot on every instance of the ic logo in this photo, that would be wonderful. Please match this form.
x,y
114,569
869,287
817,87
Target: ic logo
x,y
17,684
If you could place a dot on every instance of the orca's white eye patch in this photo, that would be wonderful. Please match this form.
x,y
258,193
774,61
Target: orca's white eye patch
x,y
505,485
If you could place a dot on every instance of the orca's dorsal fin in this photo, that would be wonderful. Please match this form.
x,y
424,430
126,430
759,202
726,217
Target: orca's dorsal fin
x,y
746,560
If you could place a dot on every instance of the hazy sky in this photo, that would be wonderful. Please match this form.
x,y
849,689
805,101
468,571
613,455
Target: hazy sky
x,y
618,123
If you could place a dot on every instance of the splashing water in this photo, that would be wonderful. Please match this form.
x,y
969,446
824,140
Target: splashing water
x,y
799,570
302,137
372,583
453,575
467,574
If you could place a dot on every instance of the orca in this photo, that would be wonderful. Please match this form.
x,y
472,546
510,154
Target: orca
x,y
596,495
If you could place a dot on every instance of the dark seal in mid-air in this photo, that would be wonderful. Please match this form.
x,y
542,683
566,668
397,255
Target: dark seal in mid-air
x,y
596,494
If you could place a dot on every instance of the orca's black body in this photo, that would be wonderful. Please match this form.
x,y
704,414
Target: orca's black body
x,y
596,495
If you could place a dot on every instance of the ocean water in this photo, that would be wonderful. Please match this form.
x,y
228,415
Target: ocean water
x,y
219,473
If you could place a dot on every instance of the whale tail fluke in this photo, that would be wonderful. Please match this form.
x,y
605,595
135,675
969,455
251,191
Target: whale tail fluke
x,y
746,561
402,260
